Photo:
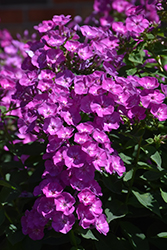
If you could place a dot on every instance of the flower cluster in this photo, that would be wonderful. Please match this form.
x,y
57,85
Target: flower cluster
x,y
68,91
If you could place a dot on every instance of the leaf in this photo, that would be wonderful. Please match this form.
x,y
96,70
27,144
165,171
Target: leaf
x,y
162,235
157,158
127,159
112,183
136,58
2,216
164,195
152,175
13,235
7,184
131,71
88,235
115,209
136,237
3,109
128,175
148,201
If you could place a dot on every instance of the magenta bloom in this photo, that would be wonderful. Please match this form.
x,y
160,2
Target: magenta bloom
x,y
101,224
159,111
86,197
149,82
62,223
74,157
64,202
136,23
149,96
52,125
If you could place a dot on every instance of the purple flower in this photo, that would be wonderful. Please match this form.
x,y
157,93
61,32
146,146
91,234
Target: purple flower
x,y
85,216
61,19
64,203
159,111
116,165
62,223
101,224
52,125
136,23
86,197
74,157
44,26
46,206
102,105
85,52
85,173
148,82
149,96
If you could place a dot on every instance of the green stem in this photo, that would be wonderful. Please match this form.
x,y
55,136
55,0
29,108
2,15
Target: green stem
x,y
134,170
73,239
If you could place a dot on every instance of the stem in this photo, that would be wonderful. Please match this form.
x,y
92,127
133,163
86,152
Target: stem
x,y
134,170
73,239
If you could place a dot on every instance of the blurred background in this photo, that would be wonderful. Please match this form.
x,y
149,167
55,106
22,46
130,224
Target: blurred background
x,y
19,15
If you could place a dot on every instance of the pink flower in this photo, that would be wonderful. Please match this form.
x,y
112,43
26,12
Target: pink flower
x,y
159,111
86,197
136,23
64,202
62,223
101,224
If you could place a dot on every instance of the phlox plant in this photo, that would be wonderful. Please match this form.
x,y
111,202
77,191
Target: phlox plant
x,y
83,131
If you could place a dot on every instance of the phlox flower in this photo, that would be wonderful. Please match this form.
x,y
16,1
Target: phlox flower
x,y
64,202
96,207
86,197
137,113
61,19
136,23
86,127
52,169
81,138
102,105
85,52
46,206
74,156
85,216
159,111
149,96
149,82
53,188
52,125
62,223
44,26
101,224
115,165
85,173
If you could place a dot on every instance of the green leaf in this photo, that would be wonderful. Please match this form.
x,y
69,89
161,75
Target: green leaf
x,y
136,237
152,175
136,58
128,175
3,109
157,158
150,140
131,71
115,209
87,234
112,183
148,201
164,195
162,235
7,184
2,216
127,159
